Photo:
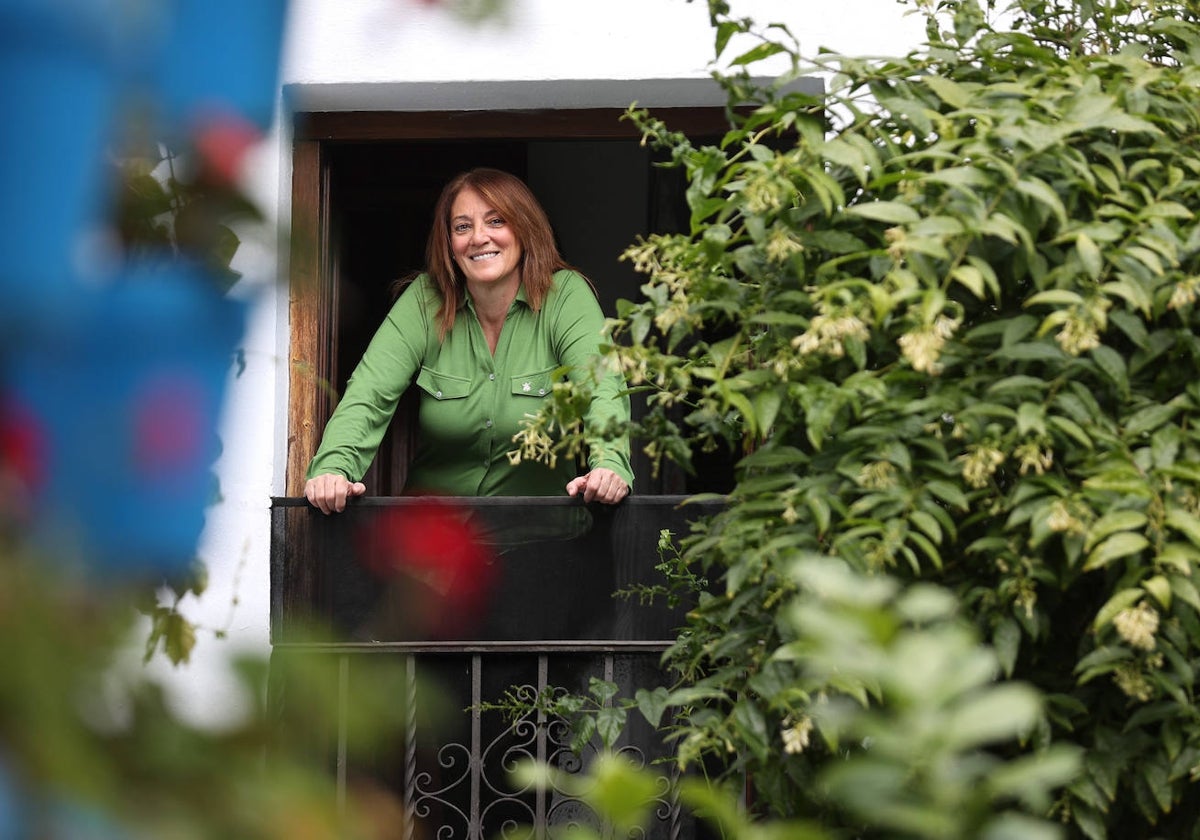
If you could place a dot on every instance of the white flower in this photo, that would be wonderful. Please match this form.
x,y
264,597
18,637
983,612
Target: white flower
x,y
1137,626
796,736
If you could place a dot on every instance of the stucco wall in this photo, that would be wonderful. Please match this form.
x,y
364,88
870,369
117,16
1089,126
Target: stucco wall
x,y
407,54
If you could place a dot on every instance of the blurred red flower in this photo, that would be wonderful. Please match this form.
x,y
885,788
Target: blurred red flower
x,y
436,556
22,444
221,144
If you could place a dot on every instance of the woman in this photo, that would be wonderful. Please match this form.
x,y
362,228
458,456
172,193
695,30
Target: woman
x,y
483,331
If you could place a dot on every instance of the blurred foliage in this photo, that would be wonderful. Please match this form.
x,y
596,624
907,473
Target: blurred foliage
x,y
91,746
947,312
93,749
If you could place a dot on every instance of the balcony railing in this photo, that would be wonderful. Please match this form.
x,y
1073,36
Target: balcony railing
x,y
481,598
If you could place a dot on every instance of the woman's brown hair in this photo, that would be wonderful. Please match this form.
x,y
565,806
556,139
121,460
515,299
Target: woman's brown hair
x,y
512,199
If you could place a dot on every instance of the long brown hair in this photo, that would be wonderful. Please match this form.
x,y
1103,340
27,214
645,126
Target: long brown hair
x,y
512,199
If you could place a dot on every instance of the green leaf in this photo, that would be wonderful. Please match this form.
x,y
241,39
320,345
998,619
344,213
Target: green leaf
x,y
993,714
652,704
1089,254
621,792
1033,778
1055,297
766,403
892,212
1112,522
1121,600
1150,418
1031,419
1185,590
1160,588
602,690
947,90
1044,194
1006,639
948,493
1115,547
1072,430
610,722
971,278
1184,522
751,728
757,53
1113,365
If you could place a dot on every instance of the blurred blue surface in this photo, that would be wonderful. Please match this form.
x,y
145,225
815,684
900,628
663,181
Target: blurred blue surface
x,y
125,389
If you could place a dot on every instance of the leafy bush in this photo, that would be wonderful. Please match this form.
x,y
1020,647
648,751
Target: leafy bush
x,y
948,312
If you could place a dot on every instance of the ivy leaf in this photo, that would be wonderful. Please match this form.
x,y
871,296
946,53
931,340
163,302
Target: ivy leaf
x,y
652,704
610,722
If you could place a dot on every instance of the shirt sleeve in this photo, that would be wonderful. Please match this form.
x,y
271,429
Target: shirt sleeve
x,y
361,418
578,326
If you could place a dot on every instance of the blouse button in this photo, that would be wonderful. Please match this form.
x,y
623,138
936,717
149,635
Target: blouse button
x,y
541,392
438,395
491,376
488,424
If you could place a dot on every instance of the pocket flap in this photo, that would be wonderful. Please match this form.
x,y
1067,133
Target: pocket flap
x,y
443,386
533,384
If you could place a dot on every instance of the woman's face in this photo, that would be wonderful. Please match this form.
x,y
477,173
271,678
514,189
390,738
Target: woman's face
x,y
483,243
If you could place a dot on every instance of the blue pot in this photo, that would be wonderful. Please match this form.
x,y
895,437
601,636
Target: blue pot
x,y
221,56
61,79
125,390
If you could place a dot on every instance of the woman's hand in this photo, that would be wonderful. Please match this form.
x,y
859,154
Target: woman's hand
x,y
329,492
600,485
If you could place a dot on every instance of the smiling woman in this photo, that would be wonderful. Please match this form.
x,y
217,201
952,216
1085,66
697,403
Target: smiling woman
x,y
484,334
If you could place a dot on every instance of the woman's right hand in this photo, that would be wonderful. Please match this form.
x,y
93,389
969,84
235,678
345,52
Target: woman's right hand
x,y
329,492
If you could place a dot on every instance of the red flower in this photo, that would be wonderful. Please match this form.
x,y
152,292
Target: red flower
x,y
438,559
22,445
221,143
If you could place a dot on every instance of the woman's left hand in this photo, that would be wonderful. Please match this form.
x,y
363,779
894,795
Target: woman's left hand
x,y
600,485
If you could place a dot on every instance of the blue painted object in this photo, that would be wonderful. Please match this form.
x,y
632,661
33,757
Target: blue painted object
x,y
221,56
125,390
59,63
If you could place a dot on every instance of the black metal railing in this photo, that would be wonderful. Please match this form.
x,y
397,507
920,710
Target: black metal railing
x,y
470,600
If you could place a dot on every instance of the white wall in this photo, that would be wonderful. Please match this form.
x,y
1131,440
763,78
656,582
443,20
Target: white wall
x,y
407,54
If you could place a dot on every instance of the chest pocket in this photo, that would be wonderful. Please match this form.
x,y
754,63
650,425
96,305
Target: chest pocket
x,y
443,386
534,385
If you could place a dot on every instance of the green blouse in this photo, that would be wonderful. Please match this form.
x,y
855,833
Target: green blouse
x,y
471,402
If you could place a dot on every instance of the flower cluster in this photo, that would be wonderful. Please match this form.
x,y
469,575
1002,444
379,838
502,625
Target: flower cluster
x,y
1132,682
826,334
923,347
1063,521
533,444
1078,335
1185,293
1137,626
796,735
979,465
1033,457
877,475
781,245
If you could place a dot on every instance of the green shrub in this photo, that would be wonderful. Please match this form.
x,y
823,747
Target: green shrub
x,y
948,313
